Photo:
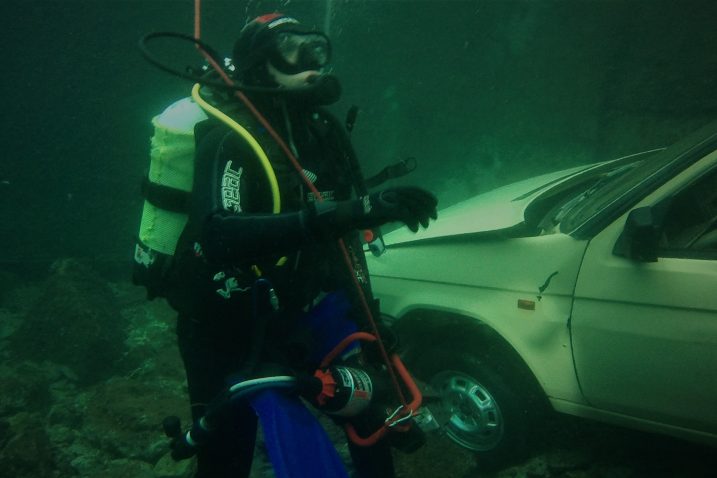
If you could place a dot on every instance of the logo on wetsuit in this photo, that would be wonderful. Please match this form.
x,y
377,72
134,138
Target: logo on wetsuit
x,y
231,199
325,195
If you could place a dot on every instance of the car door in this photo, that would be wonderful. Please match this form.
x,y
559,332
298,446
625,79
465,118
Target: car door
x,y
644,334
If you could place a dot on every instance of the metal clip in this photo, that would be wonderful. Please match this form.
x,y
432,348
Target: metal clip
x,y
392,423
425,420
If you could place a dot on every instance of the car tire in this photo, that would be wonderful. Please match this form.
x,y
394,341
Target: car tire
x,y
477,407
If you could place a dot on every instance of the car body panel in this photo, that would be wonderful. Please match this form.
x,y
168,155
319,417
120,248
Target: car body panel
x,y
499,209
488,286
645,341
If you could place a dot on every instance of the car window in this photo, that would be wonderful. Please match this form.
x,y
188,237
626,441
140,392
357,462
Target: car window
x,y
690,221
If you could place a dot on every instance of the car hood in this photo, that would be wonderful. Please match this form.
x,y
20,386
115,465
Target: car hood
x,y
500,209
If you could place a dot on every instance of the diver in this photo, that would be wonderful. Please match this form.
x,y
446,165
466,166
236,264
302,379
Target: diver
x,y
235,235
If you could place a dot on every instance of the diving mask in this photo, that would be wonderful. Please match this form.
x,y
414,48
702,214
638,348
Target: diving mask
x,y
296,52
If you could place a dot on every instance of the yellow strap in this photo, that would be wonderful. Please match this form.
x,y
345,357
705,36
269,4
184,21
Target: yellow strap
x,y
263,159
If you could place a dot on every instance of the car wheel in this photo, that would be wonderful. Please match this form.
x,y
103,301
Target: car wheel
x,y
476,407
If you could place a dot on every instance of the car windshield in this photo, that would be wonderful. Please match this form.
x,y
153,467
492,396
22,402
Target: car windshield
x,y
605,181
631,177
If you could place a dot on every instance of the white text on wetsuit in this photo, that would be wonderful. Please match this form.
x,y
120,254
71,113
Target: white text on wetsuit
x,y
230,188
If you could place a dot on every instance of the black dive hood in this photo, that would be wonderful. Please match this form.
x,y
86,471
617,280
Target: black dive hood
x,y
322,89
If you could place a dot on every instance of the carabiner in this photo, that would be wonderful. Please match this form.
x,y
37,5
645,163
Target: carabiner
x,y
390,422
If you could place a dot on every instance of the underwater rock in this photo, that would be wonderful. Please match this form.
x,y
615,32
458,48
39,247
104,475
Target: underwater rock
x,y
8,281
5,432
151,344
567,460
75,322
9,322
123,469
27,452
24,386
124,417
166,467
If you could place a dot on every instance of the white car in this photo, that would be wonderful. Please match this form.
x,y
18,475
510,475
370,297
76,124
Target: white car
x,y
593,290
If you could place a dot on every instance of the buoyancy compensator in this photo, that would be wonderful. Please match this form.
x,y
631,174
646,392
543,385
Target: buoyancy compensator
x,y
166,190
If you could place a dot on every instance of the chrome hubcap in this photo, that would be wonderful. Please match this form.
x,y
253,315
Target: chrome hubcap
x,y
469,413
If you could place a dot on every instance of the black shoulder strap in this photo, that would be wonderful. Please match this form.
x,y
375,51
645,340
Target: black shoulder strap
x,y
202,128
346,150
165,197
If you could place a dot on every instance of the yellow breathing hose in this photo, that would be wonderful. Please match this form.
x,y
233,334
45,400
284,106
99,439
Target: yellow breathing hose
x,y
263,159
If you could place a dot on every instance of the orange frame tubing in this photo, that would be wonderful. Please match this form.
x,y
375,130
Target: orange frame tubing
x,y
417,397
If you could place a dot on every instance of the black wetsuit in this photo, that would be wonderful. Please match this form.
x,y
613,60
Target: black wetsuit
x,y
232,234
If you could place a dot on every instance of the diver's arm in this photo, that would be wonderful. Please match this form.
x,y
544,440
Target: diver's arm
x,y
229,236
238,237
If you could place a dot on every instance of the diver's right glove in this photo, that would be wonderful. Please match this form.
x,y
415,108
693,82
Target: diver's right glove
x,y
411,205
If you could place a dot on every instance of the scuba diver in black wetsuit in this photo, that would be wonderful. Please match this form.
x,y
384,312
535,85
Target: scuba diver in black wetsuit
x,y
247,223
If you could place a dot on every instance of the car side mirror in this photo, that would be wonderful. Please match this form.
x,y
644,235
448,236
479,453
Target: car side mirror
x,y
640,238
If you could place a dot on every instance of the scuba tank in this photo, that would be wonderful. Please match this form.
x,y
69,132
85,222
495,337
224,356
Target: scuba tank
x,y
345,391
166,190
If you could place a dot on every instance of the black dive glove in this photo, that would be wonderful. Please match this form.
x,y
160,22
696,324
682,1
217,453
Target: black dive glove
x,y
411,205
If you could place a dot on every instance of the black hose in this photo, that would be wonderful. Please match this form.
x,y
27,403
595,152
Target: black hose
x,y
392,171
202,79
149,56
262,313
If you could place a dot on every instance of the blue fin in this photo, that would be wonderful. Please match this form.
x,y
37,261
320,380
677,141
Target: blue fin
x,y
329,323
297,444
